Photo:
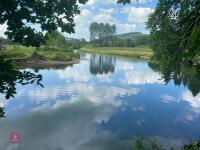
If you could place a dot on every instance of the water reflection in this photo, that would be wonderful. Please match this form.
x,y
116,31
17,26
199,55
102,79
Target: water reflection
x,y
72,120
181,73
77,110
102,64
9,77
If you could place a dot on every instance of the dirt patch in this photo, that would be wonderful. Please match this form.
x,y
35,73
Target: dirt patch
x,y
38,63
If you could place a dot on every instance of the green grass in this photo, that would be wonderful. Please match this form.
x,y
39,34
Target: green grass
x,y
140,51
22,52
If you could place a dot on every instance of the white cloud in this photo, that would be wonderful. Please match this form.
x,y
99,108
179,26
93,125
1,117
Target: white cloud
x,y
107,11
98,97
194,101
137,74
125,66
105,18
79,72
125,28
2,30
102,93
167,98
104,77
121,27
73,123
82,21
96,2
87,16
137,15
139,108
190,114
141,77
3,101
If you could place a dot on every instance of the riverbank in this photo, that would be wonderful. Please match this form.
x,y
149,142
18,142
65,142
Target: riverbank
x,y
34,57
138,52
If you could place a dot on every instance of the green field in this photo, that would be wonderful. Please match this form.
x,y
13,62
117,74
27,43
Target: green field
x,y
140,52
17,52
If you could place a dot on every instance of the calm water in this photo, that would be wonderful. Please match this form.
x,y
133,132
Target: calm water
x,y
96,105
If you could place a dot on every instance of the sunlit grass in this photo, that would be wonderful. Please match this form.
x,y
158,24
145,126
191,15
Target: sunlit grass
x,y
22,52
142,51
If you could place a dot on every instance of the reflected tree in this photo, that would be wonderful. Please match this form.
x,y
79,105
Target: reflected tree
x,y
10,77
102,64
181,73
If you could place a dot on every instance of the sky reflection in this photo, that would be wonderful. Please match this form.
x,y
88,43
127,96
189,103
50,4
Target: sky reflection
x,y
80,108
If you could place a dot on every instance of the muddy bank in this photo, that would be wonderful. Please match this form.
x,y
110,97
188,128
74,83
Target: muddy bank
x,y
38,63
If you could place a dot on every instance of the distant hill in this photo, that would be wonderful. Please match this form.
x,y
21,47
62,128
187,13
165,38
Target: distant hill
x,y
138,37
132,35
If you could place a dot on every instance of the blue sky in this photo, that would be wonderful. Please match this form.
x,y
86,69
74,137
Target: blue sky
x,y
128,18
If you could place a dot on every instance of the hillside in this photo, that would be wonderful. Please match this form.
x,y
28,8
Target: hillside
x,y
132,35
138,38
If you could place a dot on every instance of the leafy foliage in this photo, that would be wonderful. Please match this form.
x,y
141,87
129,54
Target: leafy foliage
x,y
181,73
4,41
102,64
56,40
101,33
9,77
174,27
142,143
19,15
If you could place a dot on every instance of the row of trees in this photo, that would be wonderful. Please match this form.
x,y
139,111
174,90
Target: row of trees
x,y
101,33
175,29
49,15
55,40
105,35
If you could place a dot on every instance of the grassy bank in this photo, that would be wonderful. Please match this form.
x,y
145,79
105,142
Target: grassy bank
x,y
17,52
141,52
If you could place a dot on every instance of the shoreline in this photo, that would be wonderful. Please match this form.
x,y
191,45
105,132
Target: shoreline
x,y
39,63
127,52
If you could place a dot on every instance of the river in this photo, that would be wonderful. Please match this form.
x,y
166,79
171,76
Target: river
x,y
96,105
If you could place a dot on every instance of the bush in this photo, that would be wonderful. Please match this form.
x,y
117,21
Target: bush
x,y
38,55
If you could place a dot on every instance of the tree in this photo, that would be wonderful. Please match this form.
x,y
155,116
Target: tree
x,y
10,77
101,33
172,25
50,15
125,1
180,73
19,15
56,40
130,42
101,64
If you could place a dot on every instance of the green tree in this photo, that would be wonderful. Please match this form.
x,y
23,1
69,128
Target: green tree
x,y
101,33
49,15
56,40
171,27
10,77
195,40
125,1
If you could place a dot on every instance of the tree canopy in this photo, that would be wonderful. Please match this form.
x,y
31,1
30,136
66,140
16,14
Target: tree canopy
x,y
174,28
56,40
10,77
100,33
20,15
48,15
